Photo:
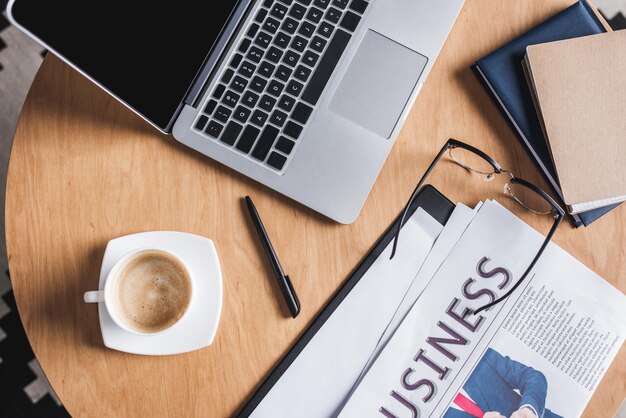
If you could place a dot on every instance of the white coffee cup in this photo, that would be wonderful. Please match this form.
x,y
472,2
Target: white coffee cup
x,y
111,301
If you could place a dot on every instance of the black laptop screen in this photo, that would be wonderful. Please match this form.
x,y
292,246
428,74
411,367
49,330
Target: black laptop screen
x,y
148,58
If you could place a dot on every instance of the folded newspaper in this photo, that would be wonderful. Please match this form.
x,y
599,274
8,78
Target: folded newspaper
x,y
541,353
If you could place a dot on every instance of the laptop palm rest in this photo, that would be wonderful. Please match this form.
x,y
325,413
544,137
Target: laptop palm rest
x,y
378,83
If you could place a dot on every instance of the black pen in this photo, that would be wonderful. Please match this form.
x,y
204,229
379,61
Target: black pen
x,y
283,280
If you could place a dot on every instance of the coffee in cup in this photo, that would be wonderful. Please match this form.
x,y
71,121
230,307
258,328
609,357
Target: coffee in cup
x,y
153,291
147,291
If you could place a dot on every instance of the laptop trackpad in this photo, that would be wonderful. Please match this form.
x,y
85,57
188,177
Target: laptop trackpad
x,y
378,83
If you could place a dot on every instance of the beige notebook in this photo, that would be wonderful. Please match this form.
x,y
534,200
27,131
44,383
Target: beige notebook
x,y
580,89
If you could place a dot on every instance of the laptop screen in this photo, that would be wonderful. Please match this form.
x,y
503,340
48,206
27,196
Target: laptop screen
x,y
148,58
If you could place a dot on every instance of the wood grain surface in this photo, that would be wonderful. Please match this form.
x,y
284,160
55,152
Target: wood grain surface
x,y
84,170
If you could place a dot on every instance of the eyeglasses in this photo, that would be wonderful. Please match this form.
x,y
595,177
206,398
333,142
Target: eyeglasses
x,y
526,194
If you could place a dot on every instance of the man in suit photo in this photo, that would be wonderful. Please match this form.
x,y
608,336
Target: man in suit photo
x,y
501,387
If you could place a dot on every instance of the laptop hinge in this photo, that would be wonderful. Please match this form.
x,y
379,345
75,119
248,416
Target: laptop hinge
x,y
206,73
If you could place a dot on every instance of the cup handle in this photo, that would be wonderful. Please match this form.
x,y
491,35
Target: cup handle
x,y
94,296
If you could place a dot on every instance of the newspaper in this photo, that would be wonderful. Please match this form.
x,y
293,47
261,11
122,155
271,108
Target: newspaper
x,y
455,226
541,353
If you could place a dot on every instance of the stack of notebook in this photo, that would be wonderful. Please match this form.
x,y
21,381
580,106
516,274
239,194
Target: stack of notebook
x,y
503,73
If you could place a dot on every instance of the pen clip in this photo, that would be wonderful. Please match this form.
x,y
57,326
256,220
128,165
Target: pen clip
x,y
294,307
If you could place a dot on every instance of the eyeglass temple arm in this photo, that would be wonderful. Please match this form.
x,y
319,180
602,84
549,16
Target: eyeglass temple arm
x,y
559,214
556,224
417,188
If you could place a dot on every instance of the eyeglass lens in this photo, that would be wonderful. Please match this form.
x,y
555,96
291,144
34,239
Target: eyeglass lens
x,y
471,162
528,198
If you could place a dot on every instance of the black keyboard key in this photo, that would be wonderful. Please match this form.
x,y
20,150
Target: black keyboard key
x,y
279,11
333,15
252,30
236,60
222,114
290,26
318,43
210,107
358,6
287,2
322,4
283,73
263,39
228,75
274,54
297,11
265,142
268,3
294,88
325,29
299,43
202,120
244,45
310,58
214,129
275,88
293,130
282,40
306,29
250,99
276,160
259,118
286,103
326,66
291,58
247,69
247,139
231,133
267,102
230,98
255,54
350,21
219,90
266,69
314,15
258,84
278,118
305,2
261,15
285,145
302,73
242,114
340,3
301,113
239,84
271,25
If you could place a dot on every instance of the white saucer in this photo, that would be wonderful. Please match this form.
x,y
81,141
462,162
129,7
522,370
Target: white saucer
x,y
198,327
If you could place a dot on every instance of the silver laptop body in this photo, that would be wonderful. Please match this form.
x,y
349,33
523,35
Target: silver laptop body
x,y
308,96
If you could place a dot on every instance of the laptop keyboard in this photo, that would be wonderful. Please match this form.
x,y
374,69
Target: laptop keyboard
x,y
275,78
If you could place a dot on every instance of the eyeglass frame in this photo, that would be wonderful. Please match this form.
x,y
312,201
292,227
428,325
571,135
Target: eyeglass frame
x,y
557,210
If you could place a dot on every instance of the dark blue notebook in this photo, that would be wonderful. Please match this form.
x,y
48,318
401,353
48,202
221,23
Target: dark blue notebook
x,y
503,74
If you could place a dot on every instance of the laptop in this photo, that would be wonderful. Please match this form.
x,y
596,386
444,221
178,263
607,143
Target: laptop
x,y
304,96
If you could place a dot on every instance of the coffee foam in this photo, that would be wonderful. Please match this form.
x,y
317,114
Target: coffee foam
x,y
153,291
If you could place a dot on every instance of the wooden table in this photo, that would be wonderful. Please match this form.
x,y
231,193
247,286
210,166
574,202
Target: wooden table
x,y
84,170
